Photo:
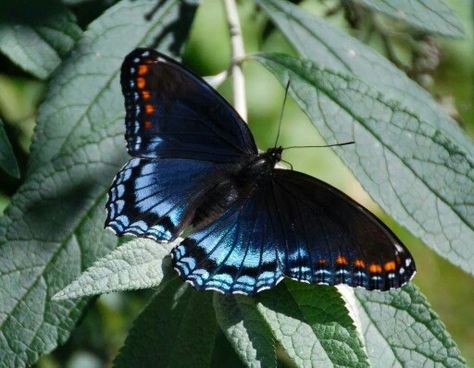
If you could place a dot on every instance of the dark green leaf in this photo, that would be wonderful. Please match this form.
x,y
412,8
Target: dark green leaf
x,y
401,330
432,16
137,264
327,45
418,174
53,228
313,325
7,157
177,329
246,329
37,45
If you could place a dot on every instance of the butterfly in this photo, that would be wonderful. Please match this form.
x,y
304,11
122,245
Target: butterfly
x,y
195,170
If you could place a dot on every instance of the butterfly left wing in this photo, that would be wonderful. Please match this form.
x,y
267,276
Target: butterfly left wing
x,y
296,226
172,113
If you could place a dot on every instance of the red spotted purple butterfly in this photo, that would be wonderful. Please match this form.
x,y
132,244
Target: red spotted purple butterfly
x,y
195,166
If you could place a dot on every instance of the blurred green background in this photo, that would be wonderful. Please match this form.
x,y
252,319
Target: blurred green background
x,y
449,290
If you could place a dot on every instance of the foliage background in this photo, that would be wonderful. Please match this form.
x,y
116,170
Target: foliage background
x,y
104,327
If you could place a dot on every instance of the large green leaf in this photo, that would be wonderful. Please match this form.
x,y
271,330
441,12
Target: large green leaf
x,y
417,173
329,46
7,157
37,44
401,330
246,329
177,329
137,264
432,16
53,228
313,325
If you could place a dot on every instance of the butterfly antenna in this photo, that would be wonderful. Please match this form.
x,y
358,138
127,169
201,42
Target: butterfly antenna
x,y
326,145
281,112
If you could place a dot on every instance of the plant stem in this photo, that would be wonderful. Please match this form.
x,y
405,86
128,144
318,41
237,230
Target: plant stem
x,y
238,53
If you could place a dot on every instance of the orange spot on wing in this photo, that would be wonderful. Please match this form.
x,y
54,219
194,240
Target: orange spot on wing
x,y
341,261
147,124
143,69
375,268
140,83
146,95
322,262
149,109
359,263
389,266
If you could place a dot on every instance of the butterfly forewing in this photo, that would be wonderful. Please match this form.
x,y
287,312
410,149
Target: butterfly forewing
x,y
332,239
171,113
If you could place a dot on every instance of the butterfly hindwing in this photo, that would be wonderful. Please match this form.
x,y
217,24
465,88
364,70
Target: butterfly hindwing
x,y
172,113
155,198
234,254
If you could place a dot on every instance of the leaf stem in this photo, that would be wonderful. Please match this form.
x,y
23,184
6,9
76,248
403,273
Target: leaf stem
x,y
238,53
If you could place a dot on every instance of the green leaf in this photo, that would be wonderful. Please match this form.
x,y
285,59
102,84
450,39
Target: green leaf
x,y
246,329
417,173
432,16
401,330
178,328
53,228
331,47
138,264
38,44
7,157
313,325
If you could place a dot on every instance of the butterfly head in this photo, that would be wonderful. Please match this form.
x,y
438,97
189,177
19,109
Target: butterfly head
x,y
274,155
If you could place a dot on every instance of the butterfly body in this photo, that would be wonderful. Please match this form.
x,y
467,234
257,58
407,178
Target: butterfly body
x,y
195,166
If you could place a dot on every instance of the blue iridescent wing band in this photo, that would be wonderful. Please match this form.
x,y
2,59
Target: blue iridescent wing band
x,y
172,113
154,198
237,253
296,226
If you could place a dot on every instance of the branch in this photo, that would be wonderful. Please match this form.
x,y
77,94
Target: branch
x,y
238,53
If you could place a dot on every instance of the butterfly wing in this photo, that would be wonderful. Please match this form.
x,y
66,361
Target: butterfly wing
x,y
236,253
297,226
172,113
183,135
332,239
156,198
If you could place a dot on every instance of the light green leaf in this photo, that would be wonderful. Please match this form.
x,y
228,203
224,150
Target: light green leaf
x,y
37,45
432,16
53,228
331,47
417,173
401,330
246,329
178,328
7,157
138,264
313,325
